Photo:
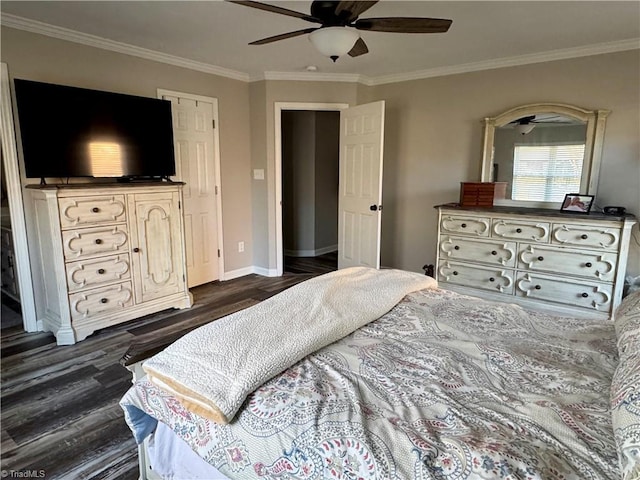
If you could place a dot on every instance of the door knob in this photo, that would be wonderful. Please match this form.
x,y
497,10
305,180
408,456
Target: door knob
x,y
373,208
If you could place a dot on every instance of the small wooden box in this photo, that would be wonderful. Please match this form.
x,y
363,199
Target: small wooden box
x,y
481,194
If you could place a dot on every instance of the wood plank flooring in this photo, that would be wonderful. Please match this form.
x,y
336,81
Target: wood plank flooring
x,y
59,405
320,264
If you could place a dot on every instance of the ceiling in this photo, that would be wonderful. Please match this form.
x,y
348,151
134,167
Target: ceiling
x,y
214,35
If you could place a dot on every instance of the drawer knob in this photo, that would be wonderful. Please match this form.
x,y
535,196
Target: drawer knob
x,y
95,209
136,249
585,295
491,279
584,236
588,265
455,273
456,247
103,300
493,252
518,230
537,287
540,258
101,271
464,225
98,241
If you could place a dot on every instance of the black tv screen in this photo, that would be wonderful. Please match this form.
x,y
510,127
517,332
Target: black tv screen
x,y
76,132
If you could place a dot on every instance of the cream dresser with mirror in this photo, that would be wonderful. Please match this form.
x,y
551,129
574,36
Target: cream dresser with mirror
x,y
106,254
571,264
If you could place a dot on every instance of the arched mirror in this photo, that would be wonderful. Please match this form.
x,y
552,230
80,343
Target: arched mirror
x,y
543,151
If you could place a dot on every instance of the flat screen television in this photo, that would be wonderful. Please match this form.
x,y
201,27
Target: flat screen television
x,y
77,132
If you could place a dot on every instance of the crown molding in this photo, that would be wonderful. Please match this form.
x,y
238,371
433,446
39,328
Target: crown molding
x,y
33,26
550,56
20,23
312,77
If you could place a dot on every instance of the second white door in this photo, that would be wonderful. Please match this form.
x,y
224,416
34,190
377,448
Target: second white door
x,y
360,193
194,139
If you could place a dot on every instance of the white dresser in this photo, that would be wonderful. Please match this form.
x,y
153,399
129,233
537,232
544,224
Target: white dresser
x,y
106,255
562,263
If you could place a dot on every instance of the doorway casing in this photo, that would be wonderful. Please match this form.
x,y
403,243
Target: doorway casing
x,y
16,205
279,107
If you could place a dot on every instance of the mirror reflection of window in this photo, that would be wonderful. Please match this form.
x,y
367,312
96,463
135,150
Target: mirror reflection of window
x,y
543,164
546,172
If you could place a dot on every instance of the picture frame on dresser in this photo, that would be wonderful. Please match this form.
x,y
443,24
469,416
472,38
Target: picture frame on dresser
x,y
576,203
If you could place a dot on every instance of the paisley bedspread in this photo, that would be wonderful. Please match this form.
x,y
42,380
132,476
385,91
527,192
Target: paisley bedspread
x,y
443,386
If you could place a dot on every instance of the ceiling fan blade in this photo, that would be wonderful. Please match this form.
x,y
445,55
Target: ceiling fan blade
x,y
359,48
274,9
283,36
404,24
354,9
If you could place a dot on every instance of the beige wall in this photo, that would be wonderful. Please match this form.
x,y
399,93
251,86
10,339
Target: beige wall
x,y
298,180
433,137
433,140
310,173
264,95
45,59
327,172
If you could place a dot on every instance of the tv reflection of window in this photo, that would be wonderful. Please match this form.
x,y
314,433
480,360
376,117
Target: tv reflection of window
x,y
106,159
58,123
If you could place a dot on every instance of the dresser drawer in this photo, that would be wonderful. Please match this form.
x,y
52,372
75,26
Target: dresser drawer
x,y
586,236
90,210
89,242
465,225
92,303
579,293
475,250
520,230
486,278
97,271
585,263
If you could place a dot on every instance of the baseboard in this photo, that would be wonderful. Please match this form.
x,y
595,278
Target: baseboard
x,y
242,272
265,272
311,253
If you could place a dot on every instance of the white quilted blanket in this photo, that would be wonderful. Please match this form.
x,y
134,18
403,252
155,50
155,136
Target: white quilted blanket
x,y
215,367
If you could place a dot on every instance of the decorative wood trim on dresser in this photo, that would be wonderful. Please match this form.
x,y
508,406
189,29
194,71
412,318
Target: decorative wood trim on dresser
x,y
107,254
543,259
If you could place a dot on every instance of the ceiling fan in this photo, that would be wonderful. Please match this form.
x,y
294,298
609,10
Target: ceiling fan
x,y
526,124
339,23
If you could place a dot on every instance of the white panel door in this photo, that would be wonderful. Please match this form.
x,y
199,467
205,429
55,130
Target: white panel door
x,y
193,138
360,196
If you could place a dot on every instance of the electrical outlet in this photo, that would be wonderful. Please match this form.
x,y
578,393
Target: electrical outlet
x,y
240,247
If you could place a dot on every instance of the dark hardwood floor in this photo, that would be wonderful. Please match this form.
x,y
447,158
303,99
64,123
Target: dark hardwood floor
x,y
320,264
60,414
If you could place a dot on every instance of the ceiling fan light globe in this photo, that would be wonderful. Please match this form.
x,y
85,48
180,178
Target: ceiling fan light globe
x,y
334,41
524,128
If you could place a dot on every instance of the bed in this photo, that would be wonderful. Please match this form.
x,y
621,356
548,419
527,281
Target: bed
x,y
441,386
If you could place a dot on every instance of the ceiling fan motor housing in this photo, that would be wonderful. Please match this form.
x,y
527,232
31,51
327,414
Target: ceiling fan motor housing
x,y
326,12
